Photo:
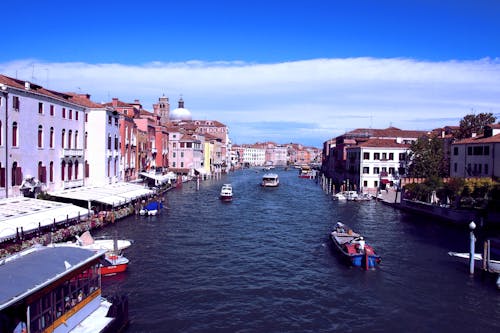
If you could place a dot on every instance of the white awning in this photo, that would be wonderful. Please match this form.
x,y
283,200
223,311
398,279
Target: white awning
x,y
116,194
30,213
201,171
159,179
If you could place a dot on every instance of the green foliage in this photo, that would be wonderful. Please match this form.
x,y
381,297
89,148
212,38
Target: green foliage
x,y
472,123
426,158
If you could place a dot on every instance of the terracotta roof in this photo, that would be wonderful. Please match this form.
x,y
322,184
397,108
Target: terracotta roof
x,y
390,132
84,100
479,139
381,143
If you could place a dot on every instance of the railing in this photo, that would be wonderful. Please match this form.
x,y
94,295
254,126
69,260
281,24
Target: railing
x,y
73,183
72,153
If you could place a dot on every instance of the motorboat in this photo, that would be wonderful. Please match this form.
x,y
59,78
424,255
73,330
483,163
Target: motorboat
x,y
306,172
346,195
113,261
152,208
226,192
353,247
270,180
57,289
491,265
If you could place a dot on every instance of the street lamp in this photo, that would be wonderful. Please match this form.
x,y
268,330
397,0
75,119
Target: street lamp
x,y
5,93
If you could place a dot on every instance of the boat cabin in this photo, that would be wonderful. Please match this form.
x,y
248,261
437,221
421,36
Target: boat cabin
x,y
51,289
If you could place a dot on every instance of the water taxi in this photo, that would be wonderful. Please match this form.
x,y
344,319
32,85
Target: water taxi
x,y
226,192
57,289
270,180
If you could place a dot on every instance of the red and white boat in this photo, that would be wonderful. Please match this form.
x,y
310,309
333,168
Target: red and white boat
x,y
113,262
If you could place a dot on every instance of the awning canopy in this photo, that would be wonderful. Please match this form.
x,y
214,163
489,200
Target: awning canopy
x,y
158,178
29,213
201,171
115,195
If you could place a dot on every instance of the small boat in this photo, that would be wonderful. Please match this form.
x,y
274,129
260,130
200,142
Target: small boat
x,y
306,172
270,180
151,208
57,289
226,192
353,247
492,265
113,261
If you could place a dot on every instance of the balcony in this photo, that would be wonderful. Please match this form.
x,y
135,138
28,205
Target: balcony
x,y
72,183
72,153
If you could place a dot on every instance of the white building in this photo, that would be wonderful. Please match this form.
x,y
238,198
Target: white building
x,y
478,156
43,139
375,163
254,156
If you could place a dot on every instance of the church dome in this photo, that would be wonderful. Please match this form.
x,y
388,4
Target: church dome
x,y
180,113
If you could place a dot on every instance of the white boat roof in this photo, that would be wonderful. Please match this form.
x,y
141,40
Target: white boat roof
x,y
33,269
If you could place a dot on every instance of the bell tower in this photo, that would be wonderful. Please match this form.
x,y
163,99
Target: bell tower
x,y
162,109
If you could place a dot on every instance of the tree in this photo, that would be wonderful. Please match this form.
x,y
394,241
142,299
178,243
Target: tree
x,y
426,158
472,123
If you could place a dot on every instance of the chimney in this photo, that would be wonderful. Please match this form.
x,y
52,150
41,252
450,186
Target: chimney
x,y
473,135
114,102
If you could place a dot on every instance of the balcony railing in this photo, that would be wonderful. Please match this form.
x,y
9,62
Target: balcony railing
x,y
73,183
72,153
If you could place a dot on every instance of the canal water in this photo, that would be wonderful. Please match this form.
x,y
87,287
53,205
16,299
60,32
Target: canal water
x,y
264,263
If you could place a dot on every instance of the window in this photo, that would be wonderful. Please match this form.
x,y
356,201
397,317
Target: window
x,y
469,150
376,156
87,169
486,169
182,164
365,183
69,139
182,154
70,170
116,142
51,110
14,134
76,169
76,115
455,151
15,103
51,171
85,140
86,117
76,139
391,156
392,170
402,156
40,107
63,168
63,134
173,164
173,154
384,156
376,170
70,114
109,119
478,150
366,170
366,156
109,141
486,151
375,183
455,167
64,113
40,136
109,167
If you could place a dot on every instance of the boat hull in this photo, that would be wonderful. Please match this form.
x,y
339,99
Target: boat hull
x,y
349,247
226,197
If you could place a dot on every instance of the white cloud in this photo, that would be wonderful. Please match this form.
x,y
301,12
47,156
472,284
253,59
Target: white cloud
x,y
323,97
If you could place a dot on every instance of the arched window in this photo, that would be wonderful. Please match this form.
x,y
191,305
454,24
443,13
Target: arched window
x,y
76,169
63,133
14,134
51,139
70,170
51,171
85,140
116,142
115,166
109,141
40,136
63,168
69,139
109,167
76,139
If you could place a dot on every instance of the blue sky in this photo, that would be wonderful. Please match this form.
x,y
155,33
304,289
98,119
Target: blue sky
x,y
287,71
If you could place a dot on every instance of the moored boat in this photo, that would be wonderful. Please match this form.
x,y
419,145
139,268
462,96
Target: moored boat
x,y
306,172
57,289
491,265
226,192
353,247
151,209
270,180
